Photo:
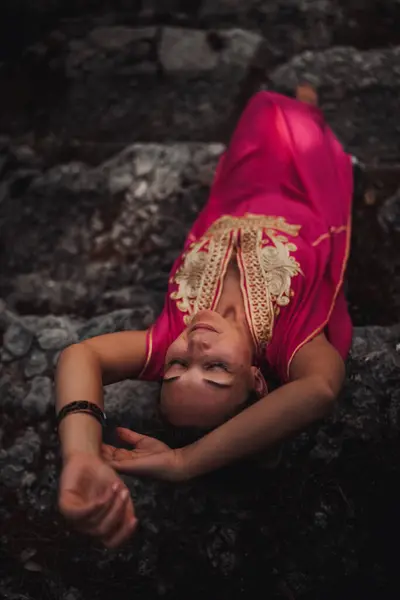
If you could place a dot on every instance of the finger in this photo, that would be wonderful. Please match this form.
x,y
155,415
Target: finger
x,y
96,519
115,516
137,466
122,534
124,466
107,451
129,436
73,509
119,455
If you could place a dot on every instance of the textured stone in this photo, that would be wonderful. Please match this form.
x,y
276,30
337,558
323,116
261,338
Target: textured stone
x,y
36,364
115,247
121,320
341,70
191,50
25,156
115,38
186,50
21,455
389,213
17,340
54,339
120,182
11,475
239,47
39,398
131,401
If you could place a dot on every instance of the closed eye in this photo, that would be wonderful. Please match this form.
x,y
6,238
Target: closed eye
x,y
216,366
176,361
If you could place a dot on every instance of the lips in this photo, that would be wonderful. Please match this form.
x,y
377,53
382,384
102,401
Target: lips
x,y
202,326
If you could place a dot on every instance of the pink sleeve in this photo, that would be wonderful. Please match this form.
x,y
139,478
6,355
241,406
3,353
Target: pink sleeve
x,y
325,310
156,347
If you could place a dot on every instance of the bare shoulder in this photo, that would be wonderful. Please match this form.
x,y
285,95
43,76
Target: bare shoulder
x,y
319,358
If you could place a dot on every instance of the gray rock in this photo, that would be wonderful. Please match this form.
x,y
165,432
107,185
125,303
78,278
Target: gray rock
x,y
25,155
40,397
6,357
117,246
239,47
389,213
72,594
131,401
12,475
25,449
341,70
144,164
120,182
228,7
28,480
55,339
115,38
121,320
19,456
186,50
17,340
190,50
36,364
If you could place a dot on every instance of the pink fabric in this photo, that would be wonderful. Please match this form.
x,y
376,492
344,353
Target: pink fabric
x,y
283,160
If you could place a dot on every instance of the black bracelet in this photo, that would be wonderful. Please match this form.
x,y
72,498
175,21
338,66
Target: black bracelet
x,y
85,407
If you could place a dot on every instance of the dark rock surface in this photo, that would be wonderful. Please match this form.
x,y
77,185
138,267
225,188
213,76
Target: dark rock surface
x,y
112,118
335,494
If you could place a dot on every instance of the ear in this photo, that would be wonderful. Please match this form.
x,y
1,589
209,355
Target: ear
x,y
259,384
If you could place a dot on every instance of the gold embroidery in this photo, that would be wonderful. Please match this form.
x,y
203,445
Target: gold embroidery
x,y
279,267
271,268
251,221
218,258
265,264
189,278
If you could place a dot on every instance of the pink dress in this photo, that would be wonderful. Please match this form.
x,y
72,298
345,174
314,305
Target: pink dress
x,y
282,199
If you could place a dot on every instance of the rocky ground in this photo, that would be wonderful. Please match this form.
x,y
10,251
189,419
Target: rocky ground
x,y
112,118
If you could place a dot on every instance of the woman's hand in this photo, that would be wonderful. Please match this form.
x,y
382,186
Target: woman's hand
x,y
95,501
149,457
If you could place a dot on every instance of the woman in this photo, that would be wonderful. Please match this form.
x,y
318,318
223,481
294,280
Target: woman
x,y
257,289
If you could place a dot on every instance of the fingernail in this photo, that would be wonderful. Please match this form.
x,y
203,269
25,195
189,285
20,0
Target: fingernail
x,y
115,486
124,494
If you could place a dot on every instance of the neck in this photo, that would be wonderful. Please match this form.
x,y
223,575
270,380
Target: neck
x,y
231,305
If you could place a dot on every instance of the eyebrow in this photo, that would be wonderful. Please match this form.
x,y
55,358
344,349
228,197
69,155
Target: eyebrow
x,y
208,381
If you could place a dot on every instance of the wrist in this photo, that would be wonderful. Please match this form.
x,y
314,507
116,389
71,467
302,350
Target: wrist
x,y
185,463
74,453
80,434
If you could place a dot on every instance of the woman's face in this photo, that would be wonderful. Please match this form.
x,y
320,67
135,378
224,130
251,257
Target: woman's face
x,y
208,372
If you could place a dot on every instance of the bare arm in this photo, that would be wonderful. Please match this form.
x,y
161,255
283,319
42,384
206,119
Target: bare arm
x,y
82,371
316,377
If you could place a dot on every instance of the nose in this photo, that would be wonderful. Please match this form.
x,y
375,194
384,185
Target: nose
x,y
198,343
